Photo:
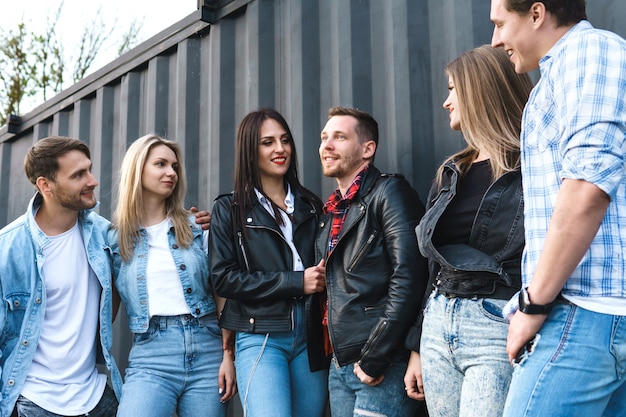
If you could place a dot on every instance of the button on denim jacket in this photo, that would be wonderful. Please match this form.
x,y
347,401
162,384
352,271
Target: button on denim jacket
x,y
22,291
193,270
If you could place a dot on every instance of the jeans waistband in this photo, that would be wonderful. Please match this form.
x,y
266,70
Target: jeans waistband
x,y
498,293
474,284
163,322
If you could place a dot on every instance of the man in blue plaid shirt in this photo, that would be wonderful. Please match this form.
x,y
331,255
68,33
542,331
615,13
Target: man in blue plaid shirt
x,y
567,334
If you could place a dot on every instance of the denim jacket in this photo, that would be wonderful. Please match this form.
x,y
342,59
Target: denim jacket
x,y
193,270
496,239
22,292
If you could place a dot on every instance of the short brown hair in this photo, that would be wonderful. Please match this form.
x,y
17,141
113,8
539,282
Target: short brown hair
x,y
366,127
42,158
566,12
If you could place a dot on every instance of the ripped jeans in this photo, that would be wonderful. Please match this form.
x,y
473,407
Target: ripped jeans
x,y
577,368
349,397
465,367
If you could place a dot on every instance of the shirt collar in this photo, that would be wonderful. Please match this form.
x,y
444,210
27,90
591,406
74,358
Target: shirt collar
x,y
560,44
289,200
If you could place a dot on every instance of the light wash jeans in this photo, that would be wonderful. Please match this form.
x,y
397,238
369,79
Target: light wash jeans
x,y
349,397
273,374
577,367
463,353
106,407
174,367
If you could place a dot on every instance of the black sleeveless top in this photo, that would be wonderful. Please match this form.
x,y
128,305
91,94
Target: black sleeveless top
x,y
455,224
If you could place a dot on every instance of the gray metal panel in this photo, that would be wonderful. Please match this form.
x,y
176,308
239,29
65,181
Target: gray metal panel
x,y
194,81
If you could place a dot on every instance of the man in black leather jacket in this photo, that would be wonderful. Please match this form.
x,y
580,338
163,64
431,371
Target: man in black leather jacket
x,y
375,275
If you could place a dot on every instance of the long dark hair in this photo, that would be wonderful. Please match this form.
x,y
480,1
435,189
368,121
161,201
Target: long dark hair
x,y
247,174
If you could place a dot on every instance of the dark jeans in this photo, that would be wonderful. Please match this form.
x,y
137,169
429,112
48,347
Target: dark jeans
x,y
107,407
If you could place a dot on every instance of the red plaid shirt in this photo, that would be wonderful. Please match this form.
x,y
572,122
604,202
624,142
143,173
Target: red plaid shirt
x,y
338,205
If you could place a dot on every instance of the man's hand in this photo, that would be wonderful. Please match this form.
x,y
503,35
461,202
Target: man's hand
x,y
315,278
413,383
522,328
365,378
203,217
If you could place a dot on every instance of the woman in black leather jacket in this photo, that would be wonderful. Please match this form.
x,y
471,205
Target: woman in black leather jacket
x,y
262,261
473,236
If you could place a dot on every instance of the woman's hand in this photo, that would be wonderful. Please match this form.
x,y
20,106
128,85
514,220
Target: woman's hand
x,y
315,278
413,383
227,380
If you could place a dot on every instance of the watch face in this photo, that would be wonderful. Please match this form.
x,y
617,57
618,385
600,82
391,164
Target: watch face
x,y
527,307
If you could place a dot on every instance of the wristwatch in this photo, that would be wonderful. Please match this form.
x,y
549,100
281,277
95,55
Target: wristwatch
x,y
527,307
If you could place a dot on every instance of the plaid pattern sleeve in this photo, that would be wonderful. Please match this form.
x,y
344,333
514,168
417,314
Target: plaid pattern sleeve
x,y
574,127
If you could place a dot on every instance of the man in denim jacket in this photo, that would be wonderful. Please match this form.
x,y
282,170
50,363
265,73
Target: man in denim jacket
x,y
55,284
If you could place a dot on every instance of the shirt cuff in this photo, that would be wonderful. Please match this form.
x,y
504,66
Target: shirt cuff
x,y
511,307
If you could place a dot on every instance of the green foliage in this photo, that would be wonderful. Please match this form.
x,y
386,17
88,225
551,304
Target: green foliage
x,y
17,71
35,64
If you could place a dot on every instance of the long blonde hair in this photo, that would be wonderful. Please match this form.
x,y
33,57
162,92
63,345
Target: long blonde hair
x,y
129,211
491,99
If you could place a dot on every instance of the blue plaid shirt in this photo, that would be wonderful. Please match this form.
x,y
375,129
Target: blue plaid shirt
x,y
574,127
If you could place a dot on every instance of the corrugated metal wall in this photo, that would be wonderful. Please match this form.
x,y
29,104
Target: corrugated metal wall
x,y
195,80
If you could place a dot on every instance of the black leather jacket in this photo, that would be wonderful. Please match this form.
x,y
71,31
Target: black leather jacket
x,y
496,241
375,275
253,270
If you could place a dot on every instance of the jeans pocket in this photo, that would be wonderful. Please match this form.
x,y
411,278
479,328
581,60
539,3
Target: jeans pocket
x,y
492,309
209,323
146,337
429,301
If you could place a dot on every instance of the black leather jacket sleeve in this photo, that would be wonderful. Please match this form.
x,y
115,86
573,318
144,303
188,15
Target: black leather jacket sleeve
x,y
399,210
233,262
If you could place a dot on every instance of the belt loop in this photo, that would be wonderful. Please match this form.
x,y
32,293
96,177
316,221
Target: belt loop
x,y
163,323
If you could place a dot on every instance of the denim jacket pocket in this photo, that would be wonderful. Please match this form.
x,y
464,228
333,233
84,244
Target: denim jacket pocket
x,y
16,303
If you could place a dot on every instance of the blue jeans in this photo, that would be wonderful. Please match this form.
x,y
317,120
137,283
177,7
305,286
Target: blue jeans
x,y
577,367
465,367
350,397
173,366
106,407
273,375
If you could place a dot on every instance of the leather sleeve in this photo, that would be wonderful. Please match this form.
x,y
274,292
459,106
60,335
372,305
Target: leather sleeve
x,y
399,209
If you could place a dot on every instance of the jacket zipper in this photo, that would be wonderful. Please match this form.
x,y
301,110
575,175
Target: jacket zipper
x,y
246,259
275,232
370,342
243,250
362,251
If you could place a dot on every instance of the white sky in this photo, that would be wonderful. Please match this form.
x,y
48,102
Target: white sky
x,y
156,16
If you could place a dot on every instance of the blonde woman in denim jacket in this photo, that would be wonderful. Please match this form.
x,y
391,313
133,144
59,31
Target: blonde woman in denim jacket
x,y
178,361
473,236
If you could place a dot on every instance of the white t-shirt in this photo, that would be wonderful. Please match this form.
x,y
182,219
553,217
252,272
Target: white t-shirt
x,y
165,291
63,377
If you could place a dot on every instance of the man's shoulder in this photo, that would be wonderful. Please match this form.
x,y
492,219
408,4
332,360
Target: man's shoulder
x,y
14,228
96,219
94,225
392,183
585,37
